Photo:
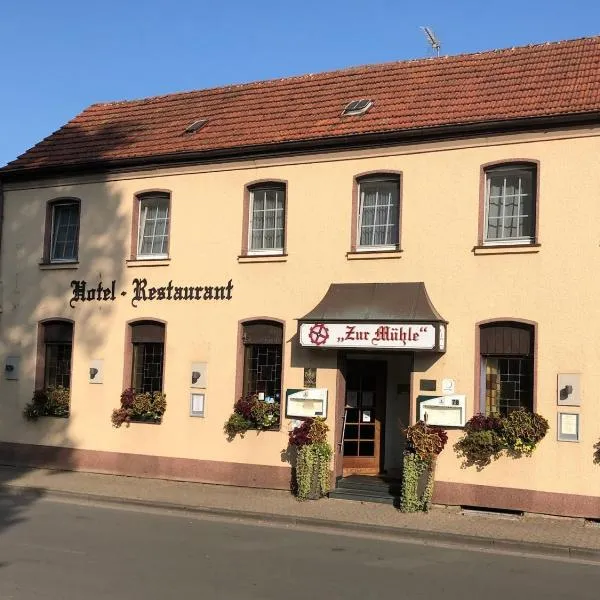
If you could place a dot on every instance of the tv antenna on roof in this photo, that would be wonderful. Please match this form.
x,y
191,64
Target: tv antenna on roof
x,y
433,41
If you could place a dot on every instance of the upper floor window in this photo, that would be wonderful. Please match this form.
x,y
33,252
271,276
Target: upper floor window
x,y
63,242
148,353
507,367
56,354
266,233
153,226
510,204
378,213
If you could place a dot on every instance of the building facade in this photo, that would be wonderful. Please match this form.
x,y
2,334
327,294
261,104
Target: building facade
x,y
381,264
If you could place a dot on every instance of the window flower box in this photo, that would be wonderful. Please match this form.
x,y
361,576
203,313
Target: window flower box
x,y
49,402
139,407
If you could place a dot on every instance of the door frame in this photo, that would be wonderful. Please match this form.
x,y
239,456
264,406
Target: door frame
x,y
349,467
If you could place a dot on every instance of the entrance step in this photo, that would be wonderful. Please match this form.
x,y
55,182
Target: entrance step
x,y
364,488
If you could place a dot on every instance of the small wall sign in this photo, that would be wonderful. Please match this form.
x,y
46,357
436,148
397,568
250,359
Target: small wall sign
x,y
405,336
199,375
568,427
448,386
196,404
96,371
304,403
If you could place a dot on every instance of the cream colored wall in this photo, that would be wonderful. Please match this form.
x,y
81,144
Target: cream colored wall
x,y
555,287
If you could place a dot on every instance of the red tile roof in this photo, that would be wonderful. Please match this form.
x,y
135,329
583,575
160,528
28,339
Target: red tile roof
x,y
546,80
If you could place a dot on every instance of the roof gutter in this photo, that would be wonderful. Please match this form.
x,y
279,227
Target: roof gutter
x,y
311,146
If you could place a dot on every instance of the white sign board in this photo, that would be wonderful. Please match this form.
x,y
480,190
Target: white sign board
x,y
368,335
446,411
311,402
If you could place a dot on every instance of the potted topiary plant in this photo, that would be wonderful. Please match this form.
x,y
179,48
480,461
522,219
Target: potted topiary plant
x,y
49,402
139,407
250,412
313,458
423,445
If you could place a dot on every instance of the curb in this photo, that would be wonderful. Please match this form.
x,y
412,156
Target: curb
x,y
347,527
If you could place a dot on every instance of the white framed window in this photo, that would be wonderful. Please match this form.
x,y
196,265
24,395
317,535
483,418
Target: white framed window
x,y
378,214
266,233
64,238
153,230
510,205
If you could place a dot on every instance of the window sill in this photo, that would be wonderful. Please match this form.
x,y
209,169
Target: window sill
x,y
148,262
262,258
507,249
49,266
373,254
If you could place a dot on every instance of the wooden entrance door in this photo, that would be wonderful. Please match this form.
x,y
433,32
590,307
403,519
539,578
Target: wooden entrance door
x,y
365,416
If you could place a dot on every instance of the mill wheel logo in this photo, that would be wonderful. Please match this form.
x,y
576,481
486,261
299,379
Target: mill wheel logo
x,y
318,334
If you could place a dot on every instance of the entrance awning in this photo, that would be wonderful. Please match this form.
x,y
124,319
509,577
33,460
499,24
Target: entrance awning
x,y
374,316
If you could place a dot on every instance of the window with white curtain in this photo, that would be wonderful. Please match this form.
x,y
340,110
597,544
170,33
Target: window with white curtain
x,y
510,205
378,213
267,220
153,236
64,238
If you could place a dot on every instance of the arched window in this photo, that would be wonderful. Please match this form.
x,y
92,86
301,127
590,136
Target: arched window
x,y
152,223
61,238
510,204
265,204
507,366
263,351
376,206
55,347
147,355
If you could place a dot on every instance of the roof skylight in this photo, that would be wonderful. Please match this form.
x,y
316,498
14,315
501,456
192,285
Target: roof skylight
x,y
196,125
357,107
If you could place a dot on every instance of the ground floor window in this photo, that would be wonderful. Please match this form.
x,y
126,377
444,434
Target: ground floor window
x,y
148,354
263,351
507,367
58,345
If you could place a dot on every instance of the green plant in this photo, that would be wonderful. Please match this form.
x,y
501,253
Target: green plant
x,y
250,412
417,483
236,425
313,458
522,431
140,407
312,470
425,440
486,437
423,444
50,402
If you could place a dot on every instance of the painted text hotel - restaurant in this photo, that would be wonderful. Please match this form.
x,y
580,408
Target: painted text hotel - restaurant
x,y
369,243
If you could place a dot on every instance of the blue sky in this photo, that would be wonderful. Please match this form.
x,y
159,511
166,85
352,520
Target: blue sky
x,y
58,57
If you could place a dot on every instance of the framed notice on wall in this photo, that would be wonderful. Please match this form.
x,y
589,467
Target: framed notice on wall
x,y
568,427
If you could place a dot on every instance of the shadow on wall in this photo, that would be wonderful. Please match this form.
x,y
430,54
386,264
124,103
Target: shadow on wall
x,y
31,294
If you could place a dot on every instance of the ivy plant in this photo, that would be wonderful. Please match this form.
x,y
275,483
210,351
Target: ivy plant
x,y
313,459
423,445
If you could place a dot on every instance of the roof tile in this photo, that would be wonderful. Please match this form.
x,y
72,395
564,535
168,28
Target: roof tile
x,y
561,78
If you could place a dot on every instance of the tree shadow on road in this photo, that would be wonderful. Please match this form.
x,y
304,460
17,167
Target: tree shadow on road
x,y
30,294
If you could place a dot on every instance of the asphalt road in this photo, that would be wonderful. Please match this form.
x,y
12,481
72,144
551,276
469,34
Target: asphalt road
x,y
51,550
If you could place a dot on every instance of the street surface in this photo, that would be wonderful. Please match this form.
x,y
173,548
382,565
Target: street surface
x,y
51,550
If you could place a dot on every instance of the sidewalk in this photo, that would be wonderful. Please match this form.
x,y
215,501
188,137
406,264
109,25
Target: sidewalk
x,y
532,534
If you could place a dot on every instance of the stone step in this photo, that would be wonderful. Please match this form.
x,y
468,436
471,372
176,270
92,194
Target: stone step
x,y
357,496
